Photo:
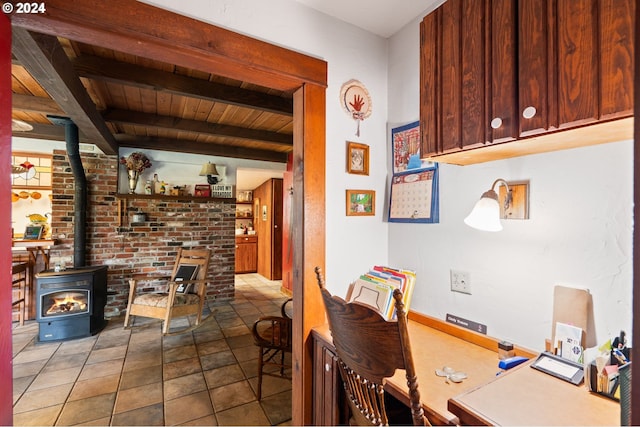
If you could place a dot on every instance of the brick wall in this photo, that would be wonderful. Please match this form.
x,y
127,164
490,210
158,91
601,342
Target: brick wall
x,y
132,248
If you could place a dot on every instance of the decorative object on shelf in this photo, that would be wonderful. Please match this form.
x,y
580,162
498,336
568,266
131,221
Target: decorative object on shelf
x,y
361,202
356,101
487,212
133,180
209,170
224,191
357,158
136,162
202,190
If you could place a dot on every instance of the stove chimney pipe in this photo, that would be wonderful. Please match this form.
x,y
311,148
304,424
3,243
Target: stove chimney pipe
x,y
80,185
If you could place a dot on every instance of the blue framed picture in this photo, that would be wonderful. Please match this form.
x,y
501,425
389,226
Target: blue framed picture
x,y
405,148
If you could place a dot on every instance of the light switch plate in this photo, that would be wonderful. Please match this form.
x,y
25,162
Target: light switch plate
x,y
460,281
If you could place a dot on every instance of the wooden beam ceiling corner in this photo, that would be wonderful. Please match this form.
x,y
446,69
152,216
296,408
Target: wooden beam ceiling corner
x,y
44,57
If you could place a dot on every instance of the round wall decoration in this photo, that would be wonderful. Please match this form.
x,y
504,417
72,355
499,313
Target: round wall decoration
x,y
355,100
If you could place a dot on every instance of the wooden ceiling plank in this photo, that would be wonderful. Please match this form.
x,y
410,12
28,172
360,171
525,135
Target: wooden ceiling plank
x,y
155,33
152,120
44,57
135,75
35,104
195,147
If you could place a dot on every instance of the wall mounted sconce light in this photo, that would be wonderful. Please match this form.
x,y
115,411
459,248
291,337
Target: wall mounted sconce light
x,y
510,203
209,170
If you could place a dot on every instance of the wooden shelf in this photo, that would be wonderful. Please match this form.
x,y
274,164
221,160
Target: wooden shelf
x,y
186,198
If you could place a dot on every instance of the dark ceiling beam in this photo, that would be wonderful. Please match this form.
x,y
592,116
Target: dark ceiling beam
x,y
150,32
213,129
46,61
108,70
49,132
195,147
35,104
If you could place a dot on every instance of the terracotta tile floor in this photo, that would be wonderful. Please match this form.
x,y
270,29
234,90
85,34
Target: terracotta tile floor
x,y
136,377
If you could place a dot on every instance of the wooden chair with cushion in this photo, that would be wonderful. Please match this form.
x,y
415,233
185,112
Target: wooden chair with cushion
x,y
185,295
273,335
370,349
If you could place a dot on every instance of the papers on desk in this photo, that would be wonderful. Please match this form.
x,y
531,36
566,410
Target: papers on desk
x,y
375,289
568,340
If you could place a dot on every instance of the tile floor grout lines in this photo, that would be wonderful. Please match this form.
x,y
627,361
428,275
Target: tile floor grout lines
x,y
207,376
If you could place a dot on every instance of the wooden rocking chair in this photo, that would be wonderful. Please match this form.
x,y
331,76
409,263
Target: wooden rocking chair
x,y
370,349
186,293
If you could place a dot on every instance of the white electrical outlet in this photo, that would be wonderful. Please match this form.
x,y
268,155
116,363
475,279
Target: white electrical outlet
x,y
460,282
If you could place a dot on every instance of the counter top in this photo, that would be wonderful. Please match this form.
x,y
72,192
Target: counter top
x,y
21,243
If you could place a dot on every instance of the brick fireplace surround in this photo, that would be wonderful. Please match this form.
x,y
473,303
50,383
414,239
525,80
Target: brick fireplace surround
x,y
134,248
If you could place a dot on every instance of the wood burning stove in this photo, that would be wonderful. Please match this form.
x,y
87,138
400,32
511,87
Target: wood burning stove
x,y
70,303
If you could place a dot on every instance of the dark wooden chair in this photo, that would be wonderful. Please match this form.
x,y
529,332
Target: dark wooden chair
x,y
272,334
186,291
19,272
370,349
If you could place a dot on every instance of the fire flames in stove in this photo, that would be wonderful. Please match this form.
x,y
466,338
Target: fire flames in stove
x,y
68,303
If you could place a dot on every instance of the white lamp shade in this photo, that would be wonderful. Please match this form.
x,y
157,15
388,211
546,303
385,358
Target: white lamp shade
x,y
486,213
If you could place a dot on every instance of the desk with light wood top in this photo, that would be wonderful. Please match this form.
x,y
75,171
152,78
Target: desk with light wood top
x,y
433,349
525,396
522,395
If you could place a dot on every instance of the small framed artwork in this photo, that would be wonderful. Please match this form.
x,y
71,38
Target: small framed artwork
x,y
357,158
361,202
33,232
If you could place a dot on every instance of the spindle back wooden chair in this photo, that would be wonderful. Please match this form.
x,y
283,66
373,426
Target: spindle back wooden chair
x,y
370,349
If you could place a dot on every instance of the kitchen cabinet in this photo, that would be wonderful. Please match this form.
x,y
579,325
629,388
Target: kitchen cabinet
x,y
501,71
329,404
246,254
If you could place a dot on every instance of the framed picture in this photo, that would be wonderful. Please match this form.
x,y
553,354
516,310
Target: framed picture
x,y
414,196
361,202
33,232
405,148
357,158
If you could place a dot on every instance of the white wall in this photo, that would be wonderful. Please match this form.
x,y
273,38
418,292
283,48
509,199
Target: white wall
x,y
579,234
353,244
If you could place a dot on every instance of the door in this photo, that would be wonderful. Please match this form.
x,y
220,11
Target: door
x,y
6,376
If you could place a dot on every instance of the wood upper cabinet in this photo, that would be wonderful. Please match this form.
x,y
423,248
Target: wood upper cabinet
x,y
495,71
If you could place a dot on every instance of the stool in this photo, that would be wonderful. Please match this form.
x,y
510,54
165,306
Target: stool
x,y
18,288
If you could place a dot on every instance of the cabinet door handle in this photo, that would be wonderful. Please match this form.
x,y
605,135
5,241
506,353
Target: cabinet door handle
x,y
529,112
496,123
327,367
